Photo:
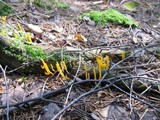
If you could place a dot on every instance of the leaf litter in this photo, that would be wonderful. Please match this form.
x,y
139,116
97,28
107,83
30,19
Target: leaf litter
x,y
59,28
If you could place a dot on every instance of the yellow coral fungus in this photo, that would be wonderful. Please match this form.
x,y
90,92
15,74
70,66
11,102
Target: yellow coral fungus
x,y
86,72
45,66
73,63
107,62
19,26
102,64
123,54
63,65
28,37
94,73
52,68
100,72
88,75
99,62
60,71
15,35
4,18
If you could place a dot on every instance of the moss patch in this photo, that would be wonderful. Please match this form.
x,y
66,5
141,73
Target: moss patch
x,y
5,9
50,4
111,15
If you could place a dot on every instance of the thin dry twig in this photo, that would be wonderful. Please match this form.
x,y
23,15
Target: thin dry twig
x,y
7,89
79,65
101,88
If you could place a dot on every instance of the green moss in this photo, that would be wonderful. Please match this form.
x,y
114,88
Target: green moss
x,y
62,5
111,15
119,18
50,4
34,52
98,17
42,4
24,52
29,53
19,48
5,9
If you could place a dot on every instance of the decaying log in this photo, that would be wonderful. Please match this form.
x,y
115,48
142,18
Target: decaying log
x,y
9,59
9,52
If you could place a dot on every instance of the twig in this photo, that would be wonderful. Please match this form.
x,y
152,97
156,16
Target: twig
x,y
138,65
131,88
79,65
78,98
130,96
83,51
143,114
151,105
145,90
7,89
63,89
96,90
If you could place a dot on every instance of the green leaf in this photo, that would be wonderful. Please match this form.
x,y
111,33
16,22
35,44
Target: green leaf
x,y
131,6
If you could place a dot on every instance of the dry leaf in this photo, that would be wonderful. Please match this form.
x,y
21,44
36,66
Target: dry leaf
x,y
20,94
131,5
50,111
135,39
80,37
112,112
51,36
48,26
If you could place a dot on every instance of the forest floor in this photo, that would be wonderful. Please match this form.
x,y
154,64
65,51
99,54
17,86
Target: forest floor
x,y
40,97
